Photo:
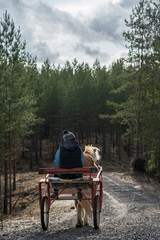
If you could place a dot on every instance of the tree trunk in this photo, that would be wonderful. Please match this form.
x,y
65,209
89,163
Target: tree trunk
x,y
36,150
79,135
5,206
1,211
113,140
119,146
82,136
117,139
40,147
158,163
10,180
137,141
23,154
87,137
14,172
103,140
0,191
109,152
96,141
54,151
31,158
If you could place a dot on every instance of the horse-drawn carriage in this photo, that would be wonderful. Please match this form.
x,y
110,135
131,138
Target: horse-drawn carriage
x,y
85,189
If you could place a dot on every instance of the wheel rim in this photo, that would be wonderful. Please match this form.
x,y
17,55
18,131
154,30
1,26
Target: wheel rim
x,y
96,211
46,212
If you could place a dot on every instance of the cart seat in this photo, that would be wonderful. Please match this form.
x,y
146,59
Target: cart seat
x,y
57,182
52,179
57,179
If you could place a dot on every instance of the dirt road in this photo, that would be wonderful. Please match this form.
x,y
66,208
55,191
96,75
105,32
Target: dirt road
x,y
131,211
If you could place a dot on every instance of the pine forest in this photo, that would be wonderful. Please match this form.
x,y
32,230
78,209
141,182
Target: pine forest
x,y
117,107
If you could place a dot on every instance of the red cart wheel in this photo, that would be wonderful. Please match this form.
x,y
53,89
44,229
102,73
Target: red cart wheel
x,y
96,211
44,213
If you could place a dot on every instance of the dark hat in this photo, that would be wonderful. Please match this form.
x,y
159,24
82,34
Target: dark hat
x,y
68,135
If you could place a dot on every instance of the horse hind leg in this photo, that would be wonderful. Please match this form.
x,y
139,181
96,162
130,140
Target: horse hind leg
x,y
87,212
79,215
86,223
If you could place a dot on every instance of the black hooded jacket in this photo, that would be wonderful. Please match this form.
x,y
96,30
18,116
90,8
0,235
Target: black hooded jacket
x,y
70,157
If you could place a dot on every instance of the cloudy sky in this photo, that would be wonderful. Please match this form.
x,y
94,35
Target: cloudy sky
x,y
62,30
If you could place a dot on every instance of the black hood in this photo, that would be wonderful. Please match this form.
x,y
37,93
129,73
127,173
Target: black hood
x,y
69,145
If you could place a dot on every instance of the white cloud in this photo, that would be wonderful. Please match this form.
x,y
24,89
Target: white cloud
x,y
62,30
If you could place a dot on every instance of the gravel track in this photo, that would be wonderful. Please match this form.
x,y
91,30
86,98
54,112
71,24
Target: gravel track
x,y
131,211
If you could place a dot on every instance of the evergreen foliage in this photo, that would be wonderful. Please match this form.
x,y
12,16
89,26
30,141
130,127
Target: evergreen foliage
x,y
96,103
18,101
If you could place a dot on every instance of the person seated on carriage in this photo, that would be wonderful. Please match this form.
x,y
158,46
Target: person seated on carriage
x,y
69,155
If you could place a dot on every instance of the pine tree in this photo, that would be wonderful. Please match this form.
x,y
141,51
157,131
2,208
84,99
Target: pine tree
x,y
18,111
150,130
139,38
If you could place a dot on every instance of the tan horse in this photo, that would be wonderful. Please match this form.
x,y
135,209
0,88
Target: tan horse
x,y
84,208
